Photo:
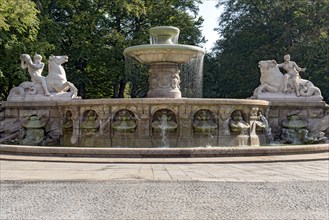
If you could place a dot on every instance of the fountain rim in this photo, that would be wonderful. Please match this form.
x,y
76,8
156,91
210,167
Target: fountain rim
x,y
169,47
86,154
171,53
137,101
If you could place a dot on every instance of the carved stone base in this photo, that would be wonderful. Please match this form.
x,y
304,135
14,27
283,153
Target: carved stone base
x,y
164,81
292,97
32,91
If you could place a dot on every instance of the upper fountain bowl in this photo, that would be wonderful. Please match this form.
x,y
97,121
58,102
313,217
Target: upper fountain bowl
x,y
155,53
164,47
164,35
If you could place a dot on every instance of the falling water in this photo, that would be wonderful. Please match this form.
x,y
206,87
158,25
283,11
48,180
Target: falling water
x,y
208,137
155,39
76,133
226,126
163,127
191,78
137,75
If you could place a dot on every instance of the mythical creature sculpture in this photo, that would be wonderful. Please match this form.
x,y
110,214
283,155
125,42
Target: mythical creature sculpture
x,y
52,87
275,84
56,79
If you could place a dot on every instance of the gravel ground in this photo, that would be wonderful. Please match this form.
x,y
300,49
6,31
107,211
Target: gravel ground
x,y
164,200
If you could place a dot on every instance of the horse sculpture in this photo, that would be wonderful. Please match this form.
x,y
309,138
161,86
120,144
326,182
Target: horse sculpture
x,y
56,82
56,78
272,81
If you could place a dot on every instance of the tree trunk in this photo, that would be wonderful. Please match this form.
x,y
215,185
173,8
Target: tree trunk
x,y
115,90
122,89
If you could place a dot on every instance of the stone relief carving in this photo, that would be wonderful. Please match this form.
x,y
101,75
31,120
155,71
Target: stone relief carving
x,y
237,123
204,122
124,121
90,123
164,120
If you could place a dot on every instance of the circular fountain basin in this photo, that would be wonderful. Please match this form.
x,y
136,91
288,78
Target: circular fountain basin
x,y
158,53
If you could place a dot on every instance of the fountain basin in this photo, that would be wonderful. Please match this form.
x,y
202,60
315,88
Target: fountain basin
x,y
143,113
172,53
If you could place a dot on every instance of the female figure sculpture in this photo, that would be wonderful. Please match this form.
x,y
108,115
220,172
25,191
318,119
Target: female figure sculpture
x,y
292,73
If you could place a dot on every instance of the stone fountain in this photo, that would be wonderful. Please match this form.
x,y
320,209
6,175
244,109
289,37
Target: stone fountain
x,y
164,119
164,55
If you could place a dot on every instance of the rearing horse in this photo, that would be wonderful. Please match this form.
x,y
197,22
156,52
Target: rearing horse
x,y
56,78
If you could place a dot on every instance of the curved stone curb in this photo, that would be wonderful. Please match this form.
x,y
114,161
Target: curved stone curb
x,y
162,152
172,160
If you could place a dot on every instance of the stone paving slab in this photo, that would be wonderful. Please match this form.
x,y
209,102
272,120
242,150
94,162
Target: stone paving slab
x,y
243,172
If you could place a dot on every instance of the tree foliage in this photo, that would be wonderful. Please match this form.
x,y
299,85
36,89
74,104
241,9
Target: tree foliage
x,y
94,33
19,26
252,30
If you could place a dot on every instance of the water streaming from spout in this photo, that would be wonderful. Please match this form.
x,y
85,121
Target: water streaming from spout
x,y
163,127
208,137
226,126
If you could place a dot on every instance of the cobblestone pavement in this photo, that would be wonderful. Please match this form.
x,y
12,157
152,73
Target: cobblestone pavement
x,y
164,200
283,190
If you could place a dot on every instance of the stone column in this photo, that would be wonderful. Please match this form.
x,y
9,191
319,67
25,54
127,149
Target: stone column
x,y
164,81
254,139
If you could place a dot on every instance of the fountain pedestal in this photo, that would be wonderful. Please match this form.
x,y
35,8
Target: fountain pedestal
x,y
164,81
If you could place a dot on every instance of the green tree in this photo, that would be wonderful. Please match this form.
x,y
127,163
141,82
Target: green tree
x,y
94,33
267,29
18,31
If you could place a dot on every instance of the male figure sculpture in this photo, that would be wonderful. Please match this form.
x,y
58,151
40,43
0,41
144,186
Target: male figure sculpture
x,y
35,69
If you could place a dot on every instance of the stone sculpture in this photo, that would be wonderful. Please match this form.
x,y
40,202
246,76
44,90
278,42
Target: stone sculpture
x,y
124,122
164,56
238,124
204,122
35,70
90,125
294,131
33,133
52,87
278,86
261,125
164,121
68,122
56,78
292,74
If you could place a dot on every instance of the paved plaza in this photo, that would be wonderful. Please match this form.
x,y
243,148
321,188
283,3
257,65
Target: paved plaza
x,y
246,190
